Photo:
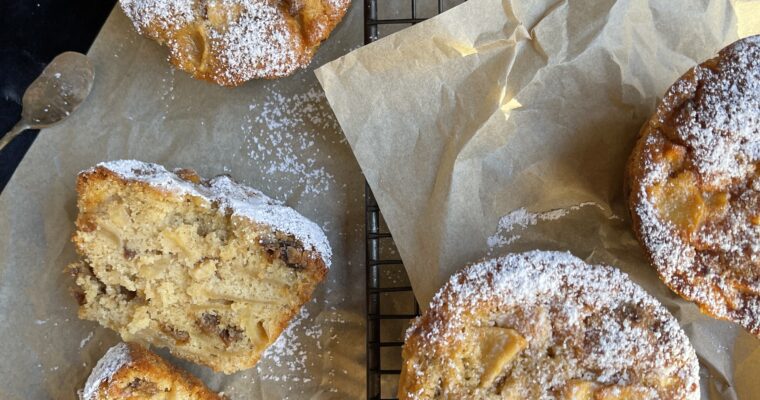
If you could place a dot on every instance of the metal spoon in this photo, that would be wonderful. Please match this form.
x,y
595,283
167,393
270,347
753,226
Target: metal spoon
x,y
55,94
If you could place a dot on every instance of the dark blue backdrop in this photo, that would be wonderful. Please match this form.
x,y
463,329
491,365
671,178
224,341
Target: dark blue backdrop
x,y
32,32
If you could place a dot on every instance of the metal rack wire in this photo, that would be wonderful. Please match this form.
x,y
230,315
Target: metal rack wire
x,y
382,17
375,262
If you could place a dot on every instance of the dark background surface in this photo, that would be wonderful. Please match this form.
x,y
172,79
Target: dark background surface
x,y
33,32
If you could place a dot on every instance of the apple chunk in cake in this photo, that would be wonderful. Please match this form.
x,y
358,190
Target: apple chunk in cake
x,y
210,269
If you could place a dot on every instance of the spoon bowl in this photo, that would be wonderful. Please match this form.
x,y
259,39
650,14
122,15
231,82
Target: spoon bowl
x,y
55,94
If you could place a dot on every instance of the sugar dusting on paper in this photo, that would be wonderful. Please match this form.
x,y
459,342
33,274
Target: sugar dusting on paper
x,y
287,351
522,218
281,135
288,360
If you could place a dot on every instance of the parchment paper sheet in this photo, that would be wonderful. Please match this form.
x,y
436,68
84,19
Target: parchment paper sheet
x,y
504,125
278,136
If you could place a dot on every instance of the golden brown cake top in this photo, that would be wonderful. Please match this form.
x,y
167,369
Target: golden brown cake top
x,y
232,41
228,196
130,371
543,324
694,179
115,358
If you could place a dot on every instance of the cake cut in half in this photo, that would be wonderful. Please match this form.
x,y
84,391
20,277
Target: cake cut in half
x,y
130,371
210,269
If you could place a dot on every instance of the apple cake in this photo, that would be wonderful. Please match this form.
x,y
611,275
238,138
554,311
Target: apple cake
x,y
130,371
210,269
546,325
693,183
231,41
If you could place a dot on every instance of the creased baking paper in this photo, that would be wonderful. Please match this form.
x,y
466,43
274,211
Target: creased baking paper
x,y
278,136
505,125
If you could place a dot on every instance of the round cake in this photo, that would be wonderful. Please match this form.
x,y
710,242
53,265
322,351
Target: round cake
x,y
693,185
232,41
546,325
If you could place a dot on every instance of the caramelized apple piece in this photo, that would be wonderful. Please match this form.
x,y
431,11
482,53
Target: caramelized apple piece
x,y
176,239
679,201
578,389
220,14
675,155
119,215
192,43
755,219
498,346
256,332
619,393
716,203
512,389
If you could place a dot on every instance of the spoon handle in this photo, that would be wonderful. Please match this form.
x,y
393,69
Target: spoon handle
x,y
11,134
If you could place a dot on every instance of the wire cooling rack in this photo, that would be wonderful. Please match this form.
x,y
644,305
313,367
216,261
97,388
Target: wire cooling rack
x,y
390,301
390,305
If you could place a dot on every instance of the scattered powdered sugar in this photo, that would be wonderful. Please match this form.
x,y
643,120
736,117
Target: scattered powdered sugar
x,y
115,358
85,340
259,44
284,140
165,13
612,330
241,200
287,351
522,218
719,125
297,354
339,4
518,218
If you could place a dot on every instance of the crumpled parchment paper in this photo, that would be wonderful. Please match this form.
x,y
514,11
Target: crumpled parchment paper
x,y
504,125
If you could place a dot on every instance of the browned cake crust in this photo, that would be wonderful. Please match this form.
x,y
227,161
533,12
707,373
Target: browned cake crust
x,y
693,185
130,371
231,41
546,325
210,269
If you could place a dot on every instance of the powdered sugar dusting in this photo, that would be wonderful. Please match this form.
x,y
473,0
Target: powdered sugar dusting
x,y
241,200
522,218
287,351
287,142
165,13
719,125
84,341
605,328
338,4
259,44
297,360
115,358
